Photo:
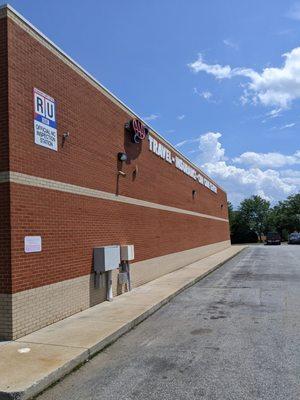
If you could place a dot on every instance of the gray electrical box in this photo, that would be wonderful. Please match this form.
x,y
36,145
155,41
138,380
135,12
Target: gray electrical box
x,y
127,252
106,258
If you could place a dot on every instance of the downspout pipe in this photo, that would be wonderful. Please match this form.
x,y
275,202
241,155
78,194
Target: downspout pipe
x,y
109,291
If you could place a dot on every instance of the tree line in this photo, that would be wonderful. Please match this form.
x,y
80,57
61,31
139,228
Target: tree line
x,y
255,217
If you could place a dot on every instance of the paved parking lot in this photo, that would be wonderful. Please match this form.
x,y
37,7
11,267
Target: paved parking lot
x,y
234,335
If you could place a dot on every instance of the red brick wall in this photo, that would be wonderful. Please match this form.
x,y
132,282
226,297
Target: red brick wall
x,y
96,127
3,97
5,276
5,261
71,225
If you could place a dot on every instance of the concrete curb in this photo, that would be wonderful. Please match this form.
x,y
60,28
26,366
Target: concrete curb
x,y
40,386
86,354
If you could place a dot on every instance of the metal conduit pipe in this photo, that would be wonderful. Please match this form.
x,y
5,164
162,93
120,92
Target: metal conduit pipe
x,y
128,275
109,290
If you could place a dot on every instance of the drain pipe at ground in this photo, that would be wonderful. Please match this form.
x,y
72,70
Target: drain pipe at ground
x,y
109,290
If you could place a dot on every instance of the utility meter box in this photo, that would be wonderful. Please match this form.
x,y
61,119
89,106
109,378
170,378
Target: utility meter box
x,y
127,252
106,258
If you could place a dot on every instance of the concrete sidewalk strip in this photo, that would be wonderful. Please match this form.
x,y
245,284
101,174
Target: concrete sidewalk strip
x,y
32,363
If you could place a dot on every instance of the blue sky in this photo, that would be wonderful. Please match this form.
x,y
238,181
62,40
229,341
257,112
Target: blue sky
x,y
210,76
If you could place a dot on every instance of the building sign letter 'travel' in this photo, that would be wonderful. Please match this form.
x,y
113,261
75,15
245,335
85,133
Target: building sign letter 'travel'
x,y
162,151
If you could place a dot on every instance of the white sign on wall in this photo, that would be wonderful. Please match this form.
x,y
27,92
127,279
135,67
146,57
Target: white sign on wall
x,y
45,130
32,244
162,151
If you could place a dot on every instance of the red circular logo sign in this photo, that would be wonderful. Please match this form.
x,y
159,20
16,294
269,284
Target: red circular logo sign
x,y
138,129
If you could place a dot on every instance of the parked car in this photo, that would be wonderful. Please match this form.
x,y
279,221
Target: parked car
x,y
273,238
294,238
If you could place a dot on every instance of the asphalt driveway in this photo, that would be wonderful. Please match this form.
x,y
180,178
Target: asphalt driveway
x,y
234,335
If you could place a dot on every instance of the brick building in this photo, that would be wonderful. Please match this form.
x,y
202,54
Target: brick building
x,y
63,190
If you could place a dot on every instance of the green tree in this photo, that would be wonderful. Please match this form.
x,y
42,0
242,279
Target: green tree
x,y
293,209
286,214
255,212
254,217
240,232
231,216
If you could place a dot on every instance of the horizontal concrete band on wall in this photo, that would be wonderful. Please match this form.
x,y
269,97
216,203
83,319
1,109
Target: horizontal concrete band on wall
x,y
29,180
30,310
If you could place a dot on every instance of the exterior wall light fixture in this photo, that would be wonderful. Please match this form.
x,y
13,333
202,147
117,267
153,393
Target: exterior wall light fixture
x,y
65,136
122,157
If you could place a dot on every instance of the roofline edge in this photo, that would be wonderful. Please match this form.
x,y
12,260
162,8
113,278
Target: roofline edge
x,y
100,85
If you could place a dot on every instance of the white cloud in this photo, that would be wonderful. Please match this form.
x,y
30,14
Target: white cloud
x,y
188,141
216,70
151,117
180,117
274,86
267,184
231,43
286,126
209,147
291,177
290,173
271,114
205,94
241,182
294,12
274,113
268,160
184,142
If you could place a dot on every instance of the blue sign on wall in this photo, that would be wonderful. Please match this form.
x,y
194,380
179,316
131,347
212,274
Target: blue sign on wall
x,y
45,130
